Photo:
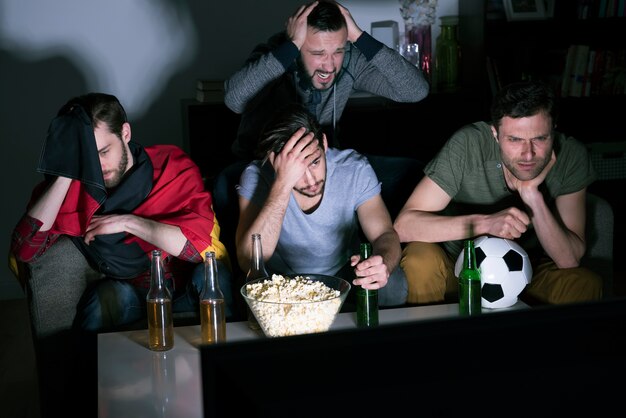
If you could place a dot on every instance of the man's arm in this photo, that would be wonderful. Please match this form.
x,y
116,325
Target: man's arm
x,y
562,235
31,235
267,62
167,237
564,240
376,223
418,220
387,73
384,72
47,207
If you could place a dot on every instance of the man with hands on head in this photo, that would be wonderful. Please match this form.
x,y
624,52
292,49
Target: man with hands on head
x,y
310,203
320,58
516,178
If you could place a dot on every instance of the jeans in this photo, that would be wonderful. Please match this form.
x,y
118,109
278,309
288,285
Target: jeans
x,y
111,303
393,294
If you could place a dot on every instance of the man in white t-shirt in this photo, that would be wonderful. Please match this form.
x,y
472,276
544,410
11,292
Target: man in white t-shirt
x,y
311,203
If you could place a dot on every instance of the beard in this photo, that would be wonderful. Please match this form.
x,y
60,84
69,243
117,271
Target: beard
x,y
306,77
525,175
119,172
305,192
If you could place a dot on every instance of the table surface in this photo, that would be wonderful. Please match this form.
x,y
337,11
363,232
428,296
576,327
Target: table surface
x,y
134,381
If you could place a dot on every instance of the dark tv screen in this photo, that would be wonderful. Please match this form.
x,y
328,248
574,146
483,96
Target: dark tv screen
x,y
544,361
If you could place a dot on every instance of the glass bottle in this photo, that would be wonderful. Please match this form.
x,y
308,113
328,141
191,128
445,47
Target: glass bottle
x,y
421,34
257,270
366,299
212,304
469,282
159,306
447,54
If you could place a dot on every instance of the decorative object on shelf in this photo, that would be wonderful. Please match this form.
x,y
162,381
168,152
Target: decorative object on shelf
x,y
447,54
528,9
411,52
418,17
386,31
209,91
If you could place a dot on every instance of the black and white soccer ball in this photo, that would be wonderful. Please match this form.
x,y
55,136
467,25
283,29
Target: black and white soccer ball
x,y
505,270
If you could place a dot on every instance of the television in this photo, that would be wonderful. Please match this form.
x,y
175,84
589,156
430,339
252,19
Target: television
x,y
546,361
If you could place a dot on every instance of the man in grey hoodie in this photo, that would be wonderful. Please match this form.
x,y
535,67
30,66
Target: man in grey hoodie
x,y
318,60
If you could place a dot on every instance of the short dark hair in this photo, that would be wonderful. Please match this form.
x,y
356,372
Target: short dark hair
x,y
100,107
523,99
282,125
326,17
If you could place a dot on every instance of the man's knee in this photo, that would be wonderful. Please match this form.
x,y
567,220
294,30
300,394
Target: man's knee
x,y
557,286
107,304
427,268
396,291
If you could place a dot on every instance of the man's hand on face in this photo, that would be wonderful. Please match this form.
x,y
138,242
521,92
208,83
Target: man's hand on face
x,y
297,24
291,162
529,189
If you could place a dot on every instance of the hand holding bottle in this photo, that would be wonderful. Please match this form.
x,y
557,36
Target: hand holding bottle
x,y
366,299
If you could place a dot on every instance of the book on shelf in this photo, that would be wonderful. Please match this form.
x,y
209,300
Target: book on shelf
x,y
209,91
209,96
203,84
579,71
619,75
606,80
568,69
589,76
602,4
493,74
597,72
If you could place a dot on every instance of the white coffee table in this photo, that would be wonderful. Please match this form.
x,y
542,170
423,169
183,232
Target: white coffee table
x,y
134,381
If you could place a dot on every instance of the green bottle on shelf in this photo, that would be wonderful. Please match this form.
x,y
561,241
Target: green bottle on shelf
x,y
447,54
366,299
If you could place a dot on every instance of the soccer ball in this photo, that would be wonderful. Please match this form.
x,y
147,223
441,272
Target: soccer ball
x,y
505,270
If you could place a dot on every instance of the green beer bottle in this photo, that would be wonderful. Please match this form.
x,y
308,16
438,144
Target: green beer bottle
x,y
366,299
469,282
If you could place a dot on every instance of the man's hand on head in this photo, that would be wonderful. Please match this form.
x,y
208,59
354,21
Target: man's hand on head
x,y
297,24
353,29
294,158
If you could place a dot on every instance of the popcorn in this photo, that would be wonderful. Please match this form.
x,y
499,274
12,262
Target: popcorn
x,y
285,306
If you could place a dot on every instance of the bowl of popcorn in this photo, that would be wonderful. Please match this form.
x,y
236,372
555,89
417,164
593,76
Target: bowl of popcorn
x,y
302,304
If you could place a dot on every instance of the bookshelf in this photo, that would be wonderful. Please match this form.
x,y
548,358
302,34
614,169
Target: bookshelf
x,y
560,50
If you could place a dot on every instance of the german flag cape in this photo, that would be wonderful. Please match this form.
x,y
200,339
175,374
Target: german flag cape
x,y
163,185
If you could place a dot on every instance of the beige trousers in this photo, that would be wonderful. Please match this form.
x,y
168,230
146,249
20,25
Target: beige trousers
x,y
430,276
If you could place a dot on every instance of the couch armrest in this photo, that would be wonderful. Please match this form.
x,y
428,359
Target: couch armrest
x,y
599,236
55,283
